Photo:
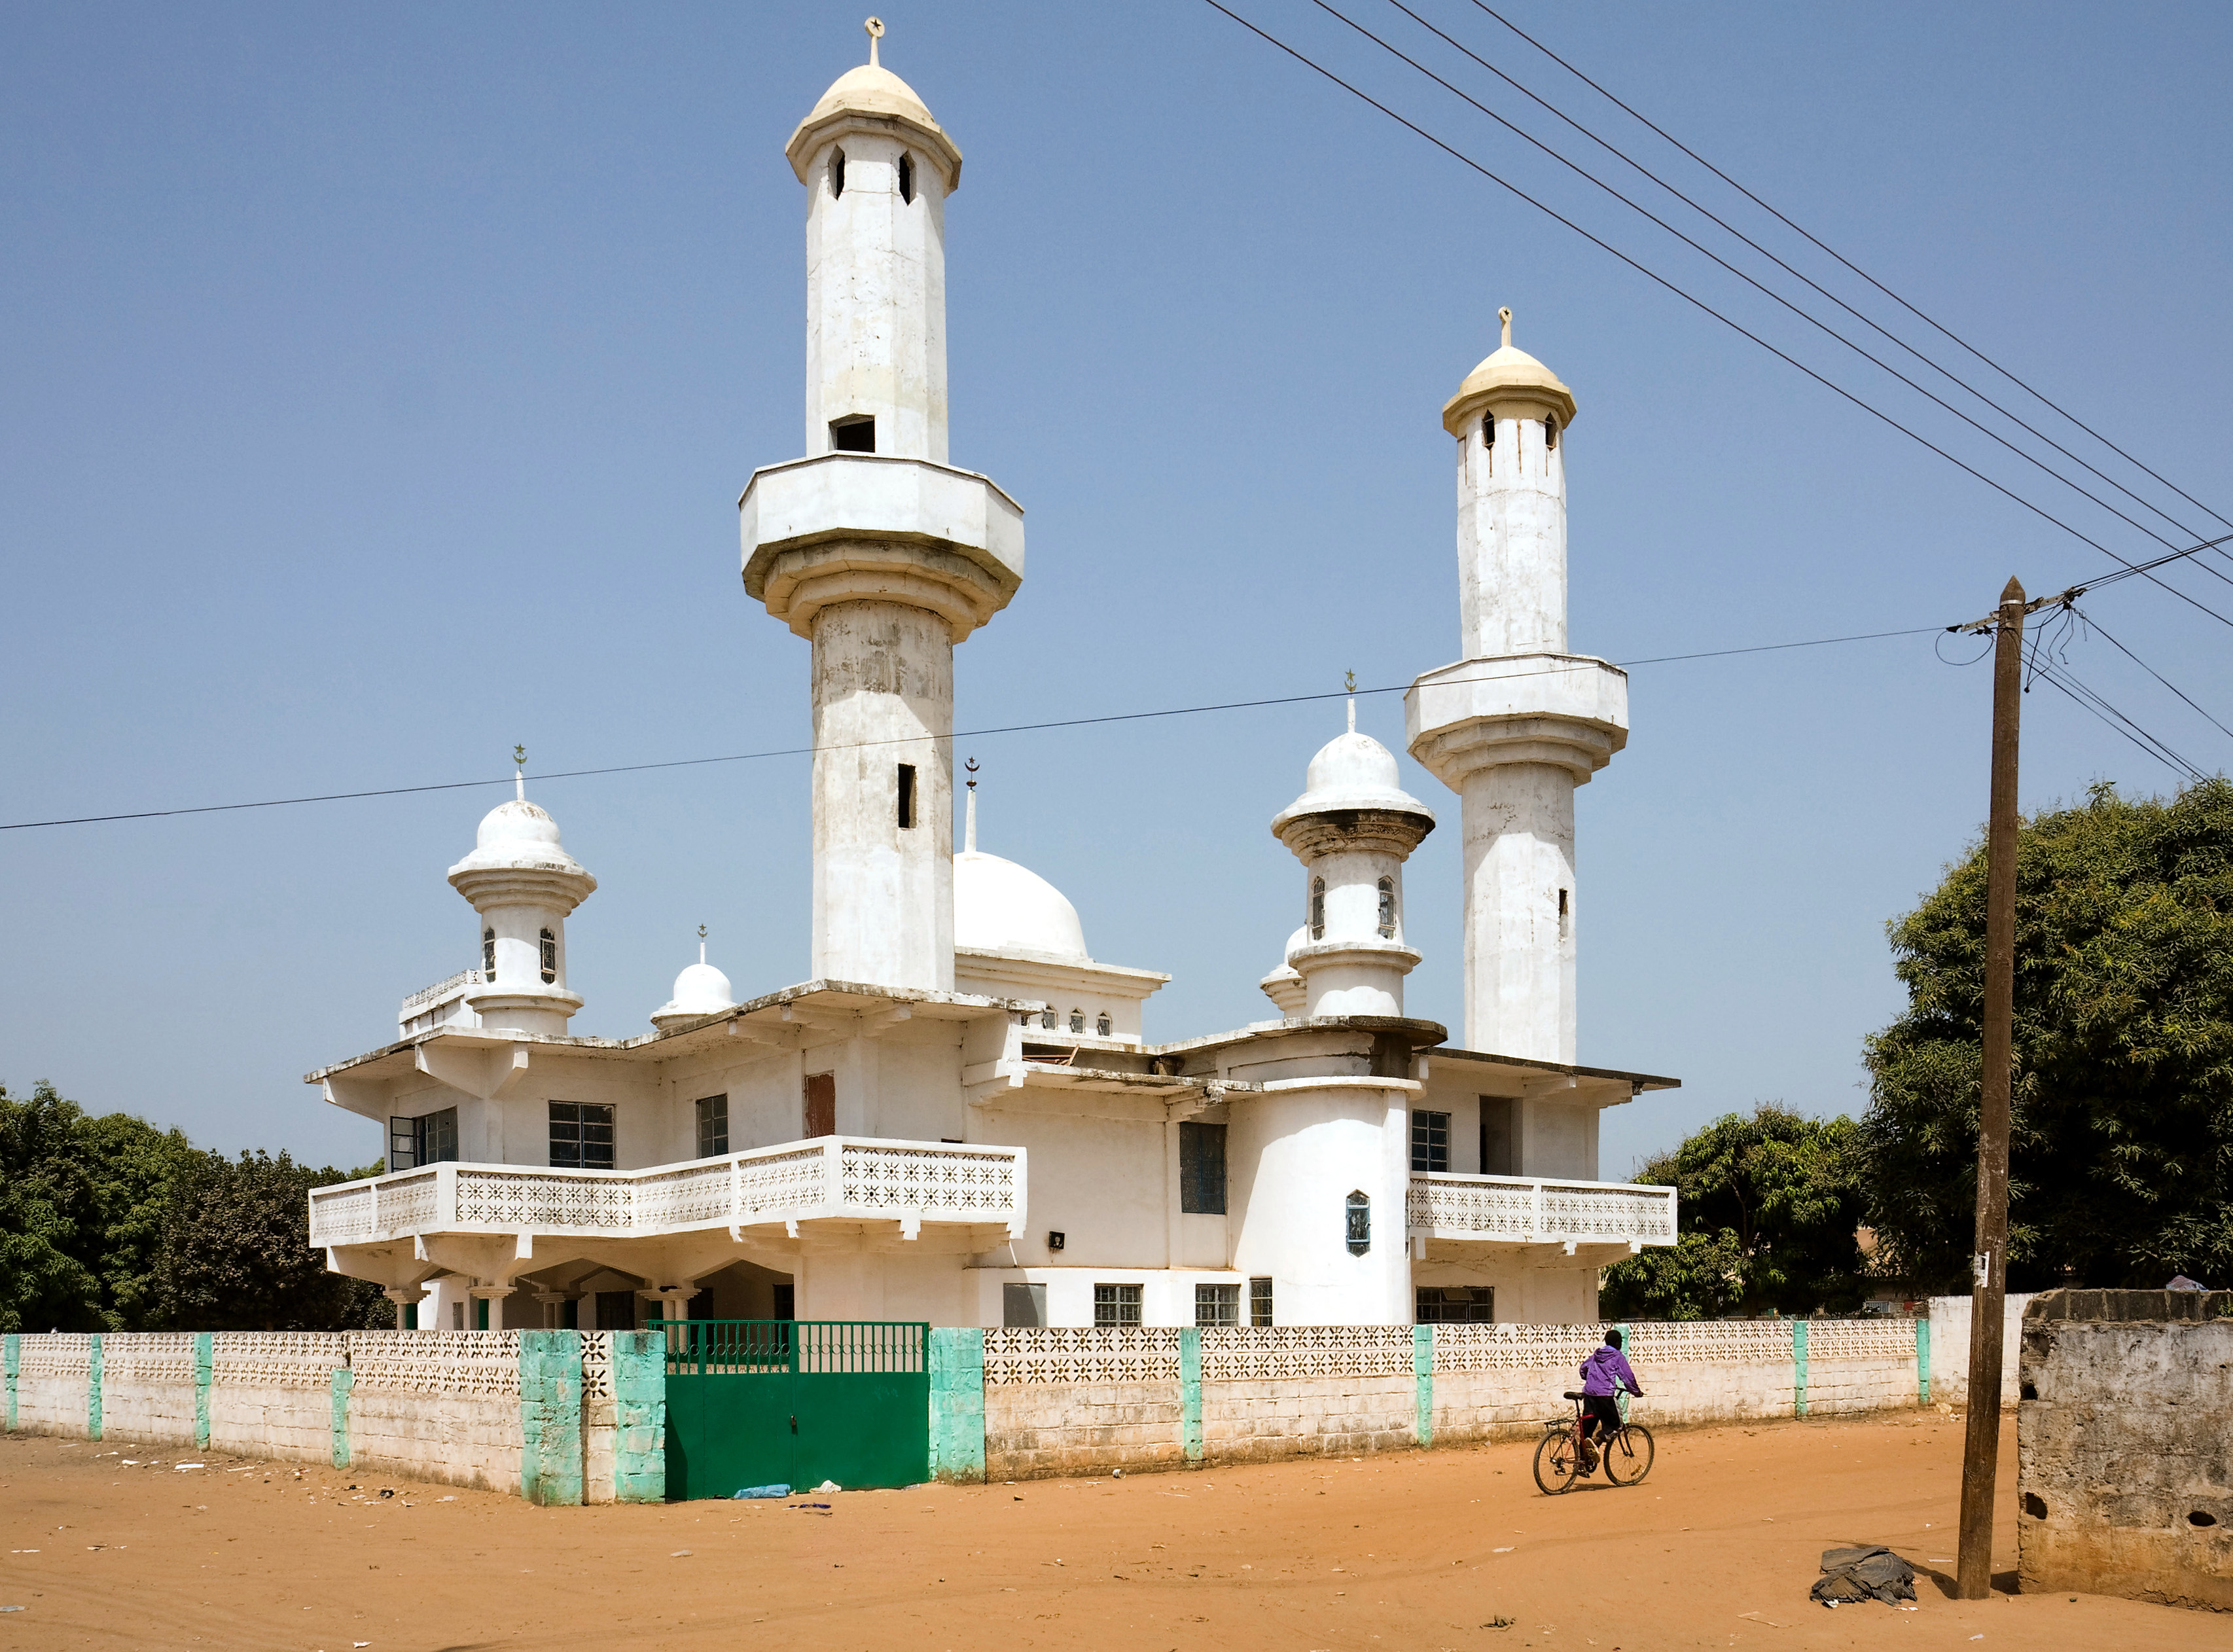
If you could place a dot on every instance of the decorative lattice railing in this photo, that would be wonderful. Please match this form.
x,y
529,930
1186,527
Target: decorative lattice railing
x,y
1518,1209
840,1178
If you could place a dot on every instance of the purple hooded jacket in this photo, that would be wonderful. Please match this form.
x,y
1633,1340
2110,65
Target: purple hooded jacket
x,y
1600,1369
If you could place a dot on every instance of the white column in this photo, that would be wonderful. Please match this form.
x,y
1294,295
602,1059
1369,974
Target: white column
x,y
1519,826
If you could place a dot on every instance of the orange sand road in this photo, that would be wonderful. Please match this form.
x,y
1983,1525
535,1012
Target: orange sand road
x,y
1417,1550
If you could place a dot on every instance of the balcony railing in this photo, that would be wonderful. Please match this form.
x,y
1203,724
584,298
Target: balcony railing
x,y
1518,1210
840,1178
440,990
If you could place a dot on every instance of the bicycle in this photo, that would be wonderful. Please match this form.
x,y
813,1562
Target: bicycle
x,y
1560,1459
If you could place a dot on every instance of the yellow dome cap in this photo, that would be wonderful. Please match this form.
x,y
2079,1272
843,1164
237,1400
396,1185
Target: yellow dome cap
x,y
873,93
1509,377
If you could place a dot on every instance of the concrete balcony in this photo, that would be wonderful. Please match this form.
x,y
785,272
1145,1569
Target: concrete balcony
x,y
1451,1216
851,1183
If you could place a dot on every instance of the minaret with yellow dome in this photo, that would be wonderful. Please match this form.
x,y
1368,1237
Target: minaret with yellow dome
x,y
872,547
1515,726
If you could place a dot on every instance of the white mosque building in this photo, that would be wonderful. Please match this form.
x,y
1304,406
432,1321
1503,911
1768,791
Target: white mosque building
x,y
961,1118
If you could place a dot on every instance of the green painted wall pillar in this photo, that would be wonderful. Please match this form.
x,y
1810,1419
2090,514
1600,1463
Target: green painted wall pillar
x,y
1798,1368
639,1416
1620,1399
1923,1360
344,1380
957,1403
204,1371
11,1363
1190,1392
92,1387
1422,1368
551,1417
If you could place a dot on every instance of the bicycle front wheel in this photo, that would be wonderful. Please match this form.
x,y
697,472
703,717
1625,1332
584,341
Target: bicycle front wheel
x,y
1557,1462
1628,1454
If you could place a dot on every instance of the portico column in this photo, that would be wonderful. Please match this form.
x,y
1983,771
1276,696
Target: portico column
x,y
493,1294
404,1299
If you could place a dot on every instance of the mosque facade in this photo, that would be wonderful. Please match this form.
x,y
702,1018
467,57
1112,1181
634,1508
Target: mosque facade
x,y
961,1118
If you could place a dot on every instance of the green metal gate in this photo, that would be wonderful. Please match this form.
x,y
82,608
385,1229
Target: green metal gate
x,y
790,1401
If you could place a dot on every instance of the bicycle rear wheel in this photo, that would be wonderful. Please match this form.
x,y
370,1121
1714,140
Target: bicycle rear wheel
x,y
1628,1454
1558,1462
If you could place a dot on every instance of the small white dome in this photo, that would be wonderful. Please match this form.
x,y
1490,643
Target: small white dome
x,y
1296,942
700,990
1352,771
517,836
516,821
999,907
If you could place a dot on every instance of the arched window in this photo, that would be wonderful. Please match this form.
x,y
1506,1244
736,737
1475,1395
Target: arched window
x,y
1488,430
836,173
488,954
550,957
1317,909
1046,1019
1077,1020
1388,908
1102,1023
1549,435
907,178
1358,1210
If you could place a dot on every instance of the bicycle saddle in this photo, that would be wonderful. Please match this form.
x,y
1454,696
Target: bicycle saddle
x,y
1575,1394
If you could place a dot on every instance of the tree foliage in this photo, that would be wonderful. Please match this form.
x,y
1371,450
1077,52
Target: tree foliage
x,y
110,1224
81,1199
2121,1145
1767,1206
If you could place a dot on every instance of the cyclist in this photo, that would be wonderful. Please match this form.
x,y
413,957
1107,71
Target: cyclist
x,y
1603,1375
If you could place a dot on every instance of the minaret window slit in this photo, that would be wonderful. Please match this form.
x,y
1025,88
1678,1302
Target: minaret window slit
x,y
1317,909
907,178
907,797
1562,911
550,957
855,434
1388,908
836,173
488,954
1549,435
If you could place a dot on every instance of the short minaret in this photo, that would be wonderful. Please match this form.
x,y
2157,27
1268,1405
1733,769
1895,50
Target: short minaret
x,y
523,883
872,547
1352,828
1517,724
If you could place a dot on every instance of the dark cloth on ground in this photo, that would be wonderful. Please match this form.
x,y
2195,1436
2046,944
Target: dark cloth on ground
x,y
1869,1571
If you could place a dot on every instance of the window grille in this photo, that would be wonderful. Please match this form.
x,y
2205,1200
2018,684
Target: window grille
x,y
1202,1169
1430,1141
1217,1305
1317,909
488,954
1456,1304
550,957
713,1126
1116,1306
1077,1020
581,1136
1101,1023
1358,1209
1388,908
1260,1302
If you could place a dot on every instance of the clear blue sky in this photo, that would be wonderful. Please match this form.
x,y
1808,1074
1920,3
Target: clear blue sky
x,y
379,384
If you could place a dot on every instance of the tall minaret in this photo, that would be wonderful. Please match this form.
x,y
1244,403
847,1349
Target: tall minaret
x,y
1517,724
872,547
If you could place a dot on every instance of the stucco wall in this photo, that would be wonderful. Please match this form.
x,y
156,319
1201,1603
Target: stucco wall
x,y
1080,1428
2124,1445
1949,1348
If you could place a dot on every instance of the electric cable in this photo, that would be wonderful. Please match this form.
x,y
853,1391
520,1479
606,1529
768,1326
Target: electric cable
x,y
2037,395
1813,321
1642,270
2066,682
964,734
2096,625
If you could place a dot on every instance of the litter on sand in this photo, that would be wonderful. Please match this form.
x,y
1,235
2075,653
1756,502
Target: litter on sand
x,y
761,1491
830,1486
813,1508
1867,1571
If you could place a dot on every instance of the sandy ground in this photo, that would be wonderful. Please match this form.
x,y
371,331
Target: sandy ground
x,y
1420,1549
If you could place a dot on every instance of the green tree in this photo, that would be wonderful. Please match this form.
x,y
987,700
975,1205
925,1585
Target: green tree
x,y
1767,1206
80,1198
2122,1142
237,1255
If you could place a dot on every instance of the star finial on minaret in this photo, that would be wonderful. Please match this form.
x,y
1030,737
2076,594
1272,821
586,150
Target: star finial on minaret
x,y
1348,682
875,28
1504,314
519,772
701,943
969,829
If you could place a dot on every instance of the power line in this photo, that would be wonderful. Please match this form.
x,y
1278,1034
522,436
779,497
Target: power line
x,y
2065,682
964,734
2096,625
1700,304
1750,280
2037,395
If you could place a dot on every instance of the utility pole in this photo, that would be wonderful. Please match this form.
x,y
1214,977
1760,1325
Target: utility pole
x,y
1981,1448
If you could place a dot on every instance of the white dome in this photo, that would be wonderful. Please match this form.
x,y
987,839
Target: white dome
x,y
999,907
516,821
517,836
1352,771
700,990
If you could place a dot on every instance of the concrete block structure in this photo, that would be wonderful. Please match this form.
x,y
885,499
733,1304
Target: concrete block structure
x,y
959,1118
2124,1445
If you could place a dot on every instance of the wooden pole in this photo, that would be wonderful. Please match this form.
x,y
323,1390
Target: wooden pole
x,y
1982,1447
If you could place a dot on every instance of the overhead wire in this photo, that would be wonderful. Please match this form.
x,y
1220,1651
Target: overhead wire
x,y
964,734
2036,394
2066,682
1866,355
1699,303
